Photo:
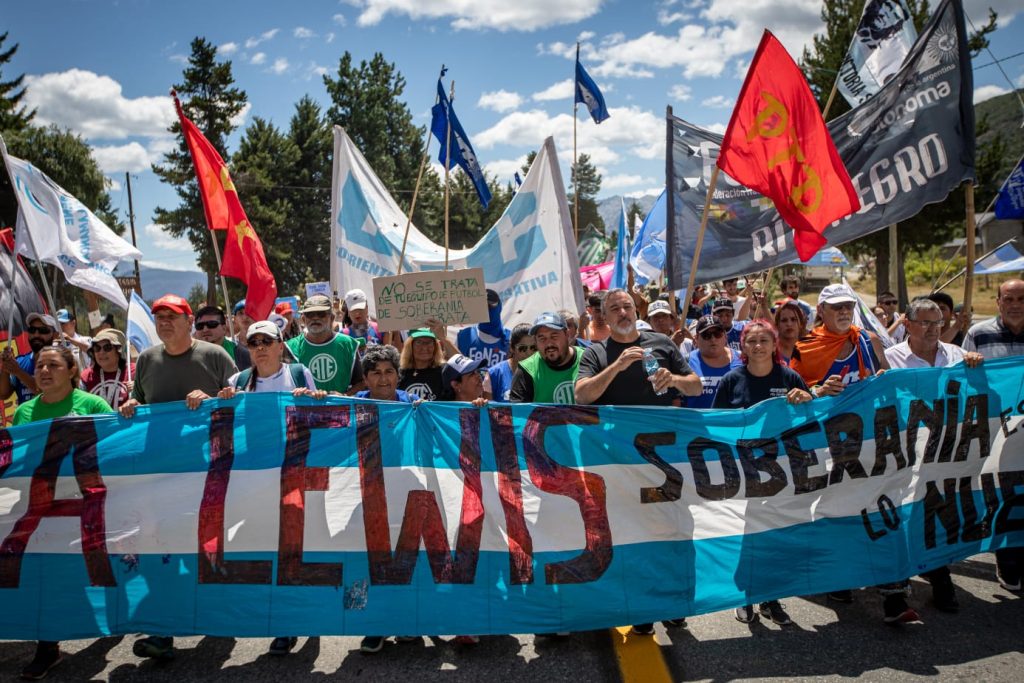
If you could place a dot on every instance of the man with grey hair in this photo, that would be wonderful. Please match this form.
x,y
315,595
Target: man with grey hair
x,y
572,325
923,348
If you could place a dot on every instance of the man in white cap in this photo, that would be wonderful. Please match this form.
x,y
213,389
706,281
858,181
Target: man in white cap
x,y
69,334
18,376
357,323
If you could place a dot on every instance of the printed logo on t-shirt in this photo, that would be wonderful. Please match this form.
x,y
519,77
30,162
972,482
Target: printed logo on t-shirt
x,y
420,391
775,392
710,385
323,366
491,356
564,393
109,391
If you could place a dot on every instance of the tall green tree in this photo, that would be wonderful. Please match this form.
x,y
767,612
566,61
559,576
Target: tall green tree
x,y
13,117
309,220
211,102
586,182
632,211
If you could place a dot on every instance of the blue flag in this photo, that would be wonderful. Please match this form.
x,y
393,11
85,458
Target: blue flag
x,y
462,154
1010,203
620,274
647,255
519,181
589,94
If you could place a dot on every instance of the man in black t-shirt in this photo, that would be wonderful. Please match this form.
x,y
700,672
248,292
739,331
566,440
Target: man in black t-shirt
x,y
610,373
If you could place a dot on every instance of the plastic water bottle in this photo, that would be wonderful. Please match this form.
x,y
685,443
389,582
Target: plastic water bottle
x,y
651,366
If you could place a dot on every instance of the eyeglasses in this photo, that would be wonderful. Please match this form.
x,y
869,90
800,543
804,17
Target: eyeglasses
x,y
316,314
712,334
40,330
844,306
523,348
209,325
927,323
103,347
257,342
889,302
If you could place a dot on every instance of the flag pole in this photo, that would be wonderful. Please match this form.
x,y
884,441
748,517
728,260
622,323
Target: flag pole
x,y
988,253
703,227
447,168
572,175
971,229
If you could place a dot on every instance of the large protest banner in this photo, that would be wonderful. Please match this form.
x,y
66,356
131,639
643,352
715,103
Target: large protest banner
x,y
528,256
266,515
908,146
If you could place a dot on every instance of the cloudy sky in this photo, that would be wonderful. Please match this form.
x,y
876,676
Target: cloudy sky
x,y
103,69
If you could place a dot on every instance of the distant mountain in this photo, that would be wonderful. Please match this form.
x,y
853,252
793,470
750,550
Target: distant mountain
x,y
159,281
1001,117
609,208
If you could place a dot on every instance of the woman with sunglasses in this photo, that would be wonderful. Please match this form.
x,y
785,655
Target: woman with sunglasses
x,y
56,376
521,347
711,360
108,375
761,376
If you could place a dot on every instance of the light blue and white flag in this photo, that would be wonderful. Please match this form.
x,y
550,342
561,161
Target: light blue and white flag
x,y
588,94
528,256
1003,259
1010,202
55,227
647,257
141,330
443,124
884,37
620,274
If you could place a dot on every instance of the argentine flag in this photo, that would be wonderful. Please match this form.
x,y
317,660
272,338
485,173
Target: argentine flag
x,y
141,330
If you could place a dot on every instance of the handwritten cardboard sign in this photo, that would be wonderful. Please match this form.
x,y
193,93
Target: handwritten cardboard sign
x,y
455,297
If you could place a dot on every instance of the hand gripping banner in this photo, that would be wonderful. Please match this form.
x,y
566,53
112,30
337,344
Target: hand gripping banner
x,y
266,515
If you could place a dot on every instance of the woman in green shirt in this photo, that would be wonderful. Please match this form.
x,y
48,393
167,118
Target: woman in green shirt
x,y
56,377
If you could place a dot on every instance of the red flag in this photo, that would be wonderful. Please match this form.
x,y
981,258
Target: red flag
x,y
243,252
778,145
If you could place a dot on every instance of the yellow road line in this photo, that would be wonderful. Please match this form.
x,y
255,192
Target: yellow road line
x,y
640,659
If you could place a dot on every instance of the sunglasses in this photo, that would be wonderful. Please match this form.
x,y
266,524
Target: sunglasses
x,y
845,306
103,347
39,330
316,314
257,342
209,325
711,334
523,348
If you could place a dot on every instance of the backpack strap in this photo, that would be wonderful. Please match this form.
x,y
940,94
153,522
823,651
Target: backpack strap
x,y
243,378
298,371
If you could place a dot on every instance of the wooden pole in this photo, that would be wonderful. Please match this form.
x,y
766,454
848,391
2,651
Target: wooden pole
x,y
573,174
894,261
412,207
131,222
224,285
703,227
447,167
971,229
831,98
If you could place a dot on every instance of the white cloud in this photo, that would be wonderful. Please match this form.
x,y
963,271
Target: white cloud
x,y
178,59
558,91
329,38
262,38
504,169
167,265
279,66
987,92
718,102
315,70
95,106
340,20
524,15
717,128
500,101
977,10
163,240
238,120
303,32
227,49
680,92
159,146
258,58
618,182
132,157
113,185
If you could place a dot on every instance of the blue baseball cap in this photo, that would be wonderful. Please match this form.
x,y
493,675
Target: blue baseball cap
x,y
548,319
459,365
239,307
64,316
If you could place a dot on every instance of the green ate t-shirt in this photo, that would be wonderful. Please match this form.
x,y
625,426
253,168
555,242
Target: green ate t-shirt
x,y
78,402
551,385
333,364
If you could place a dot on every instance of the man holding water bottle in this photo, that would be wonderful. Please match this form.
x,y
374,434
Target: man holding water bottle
x,y
634,367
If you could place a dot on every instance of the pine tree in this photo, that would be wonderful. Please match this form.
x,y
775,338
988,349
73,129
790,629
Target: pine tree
x,y
211,102
586,181
12,117
310,197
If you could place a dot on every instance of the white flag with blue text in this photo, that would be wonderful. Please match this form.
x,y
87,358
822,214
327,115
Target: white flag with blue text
x,y
56,228
528,256
141,330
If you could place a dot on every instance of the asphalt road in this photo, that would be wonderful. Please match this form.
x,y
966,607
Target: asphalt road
x,y
827,641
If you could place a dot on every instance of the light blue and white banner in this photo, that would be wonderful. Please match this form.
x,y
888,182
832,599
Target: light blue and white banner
x,y
265,515
528,256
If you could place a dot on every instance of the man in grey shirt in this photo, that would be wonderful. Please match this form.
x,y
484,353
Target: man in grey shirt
x,y
182,368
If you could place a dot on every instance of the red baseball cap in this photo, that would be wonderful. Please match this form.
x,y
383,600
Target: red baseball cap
x,y
172,302
283,307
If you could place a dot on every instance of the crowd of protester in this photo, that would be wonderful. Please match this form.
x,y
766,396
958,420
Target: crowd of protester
x,y
723,349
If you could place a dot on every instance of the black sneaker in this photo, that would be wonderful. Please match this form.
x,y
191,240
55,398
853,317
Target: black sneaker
x,y
746,614
774,611
154,647
47,656
897,611
1010,580
282,645
643,629
674,623
944,597
371,644
843,596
